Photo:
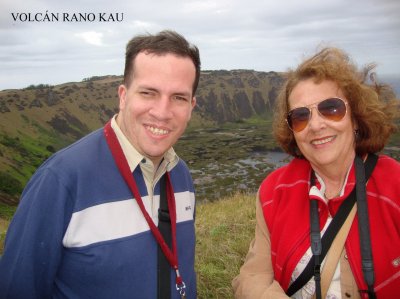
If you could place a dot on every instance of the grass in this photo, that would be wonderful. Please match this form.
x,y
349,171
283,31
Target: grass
x,y
3,230
224,229
6,213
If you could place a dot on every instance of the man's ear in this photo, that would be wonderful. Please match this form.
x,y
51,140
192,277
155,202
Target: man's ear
x,y
122,96
194,102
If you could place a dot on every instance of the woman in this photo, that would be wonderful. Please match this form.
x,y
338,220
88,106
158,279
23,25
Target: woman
x,y
330,117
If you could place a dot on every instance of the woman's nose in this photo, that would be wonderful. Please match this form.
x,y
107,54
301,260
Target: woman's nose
x,y
316,120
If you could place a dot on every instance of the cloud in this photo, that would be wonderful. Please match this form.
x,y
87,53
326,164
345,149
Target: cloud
x,y
231,34
91,37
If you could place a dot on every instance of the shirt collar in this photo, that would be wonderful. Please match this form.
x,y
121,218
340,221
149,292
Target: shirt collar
x,y
320,192
133,157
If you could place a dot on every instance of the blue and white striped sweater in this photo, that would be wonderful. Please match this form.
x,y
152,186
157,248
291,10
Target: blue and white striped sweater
x,y
79,234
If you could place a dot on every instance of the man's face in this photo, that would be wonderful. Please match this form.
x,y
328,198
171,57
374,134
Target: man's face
x,y
156,107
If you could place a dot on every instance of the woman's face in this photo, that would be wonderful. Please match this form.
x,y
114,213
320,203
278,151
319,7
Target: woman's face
x,y
323,142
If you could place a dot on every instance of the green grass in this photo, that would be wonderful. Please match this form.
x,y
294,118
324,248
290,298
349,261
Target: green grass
x,y
6,213
3,231
24,154
224,230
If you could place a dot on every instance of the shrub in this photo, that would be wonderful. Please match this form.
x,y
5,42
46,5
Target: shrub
x,y
9,185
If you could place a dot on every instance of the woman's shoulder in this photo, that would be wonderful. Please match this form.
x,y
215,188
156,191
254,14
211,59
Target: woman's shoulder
x,y
386,161
295,170
387,170
386,177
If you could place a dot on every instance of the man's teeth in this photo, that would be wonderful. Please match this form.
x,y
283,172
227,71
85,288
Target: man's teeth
x,y
157,131
322,141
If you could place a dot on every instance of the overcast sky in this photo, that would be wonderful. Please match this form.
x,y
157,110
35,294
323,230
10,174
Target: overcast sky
x,y
264,35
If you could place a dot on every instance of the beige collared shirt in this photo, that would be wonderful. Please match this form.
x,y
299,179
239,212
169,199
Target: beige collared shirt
x,y
151,173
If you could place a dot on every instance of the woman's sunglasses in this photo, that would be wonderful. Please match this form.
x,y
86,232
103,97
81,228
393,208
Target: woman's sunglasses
x,y
332,109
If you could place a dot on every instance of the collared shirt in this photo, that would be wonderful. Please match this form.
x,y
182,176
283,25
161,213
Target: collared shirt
x,y
151,174
308,290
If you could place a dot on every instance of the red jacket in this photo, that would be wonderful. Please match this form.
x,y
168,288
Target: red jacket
x,y
285,201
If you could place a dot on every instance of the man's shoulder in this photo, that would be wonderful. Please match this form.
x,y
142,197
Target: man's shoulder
x,y
87,142
81,149
182,165
89,152
181,177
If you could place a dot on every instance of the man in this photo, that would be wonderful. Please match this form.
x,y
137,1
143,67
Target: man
x,y
86,227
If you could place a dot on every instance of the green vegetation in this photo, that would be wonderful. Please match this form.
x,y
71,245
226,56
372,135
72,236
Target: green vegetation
x,y
9,185
3,230
27,154
97,78
6,213
224,230
228,157
39,86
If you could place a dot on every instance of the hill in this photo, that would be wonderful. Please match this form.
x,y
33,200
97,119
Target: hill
x,y
38,120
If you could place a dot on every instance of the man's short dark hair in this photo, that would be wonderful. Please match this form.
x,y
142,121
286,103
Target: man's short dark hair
x,y
164,42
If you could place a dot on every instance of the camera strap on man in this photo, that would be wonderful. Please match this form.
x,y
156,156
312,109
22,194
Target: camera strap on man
x,y
123,166
164,225
320,246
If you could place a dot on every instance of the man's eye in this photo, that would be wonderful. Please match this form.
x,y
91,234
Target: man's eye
x,y
180,98
147,93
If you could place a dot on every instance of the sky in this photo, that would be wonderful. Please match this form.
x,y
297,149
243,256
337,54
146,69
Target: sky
x,y
49,41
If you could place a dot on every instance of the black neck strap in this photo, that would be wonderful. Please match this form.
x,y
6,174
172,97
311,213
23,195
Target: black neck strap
x,y
320,246
367,264
164,226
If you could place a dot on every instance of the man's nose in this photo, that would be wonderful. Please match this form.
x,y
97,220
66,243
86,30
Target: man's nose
x,y
162,109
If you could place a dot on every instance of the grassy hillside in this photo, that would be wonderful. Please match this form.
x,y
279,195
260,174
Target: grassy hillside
x,y
38,120
224,231
6,213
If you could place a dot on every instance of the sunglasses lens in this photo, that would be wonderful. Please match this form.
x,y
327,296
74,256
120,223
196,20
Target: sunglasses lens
x,y
332,109
298,118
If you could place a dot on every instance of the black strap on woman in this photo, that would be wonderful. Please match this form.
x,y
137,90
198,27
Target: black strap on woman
x,y
367,264
327,239
316,246
321,247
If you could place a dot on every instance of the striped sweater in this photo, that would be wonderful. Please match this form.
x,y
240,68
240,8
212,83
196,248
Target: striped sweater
x,y
78,233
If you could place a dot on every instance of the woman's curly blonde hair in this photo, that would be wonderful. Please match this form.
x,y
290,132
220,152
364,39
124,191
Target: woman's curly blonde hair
x,y
373,106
